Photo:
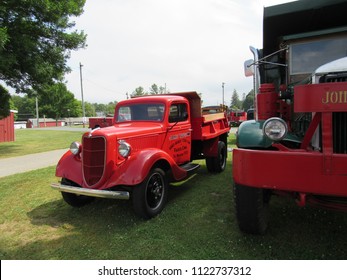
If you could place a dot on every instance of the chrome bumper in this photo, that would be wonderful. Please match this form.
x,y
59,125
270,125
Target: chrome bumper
x,y
91,192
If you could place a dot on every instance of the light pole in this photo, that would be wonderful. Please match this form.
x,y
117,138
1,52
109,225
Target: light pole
x,y
83,109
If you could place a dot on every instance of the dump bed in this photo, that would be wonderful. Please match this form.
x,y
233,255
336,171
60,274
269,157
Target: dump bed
x,y
204,127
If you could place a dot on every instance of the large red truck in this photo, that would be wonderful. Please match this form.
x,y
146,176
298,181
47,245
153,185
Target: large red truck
x,y
153,141
297,144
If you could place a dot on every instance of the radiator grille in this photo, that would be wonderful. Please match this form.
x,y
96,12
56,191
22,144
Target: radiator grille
x,y
93,159
340,132
339,118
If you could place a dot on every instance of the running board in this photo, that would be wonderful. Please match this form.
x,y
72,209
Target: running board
x,y
190,167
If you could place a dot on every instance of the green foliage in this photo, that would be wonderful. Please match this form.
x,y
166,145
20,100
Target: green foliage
x,y
36,38
139,91
235,101
248,102
154,89
105,109
4,102
57,102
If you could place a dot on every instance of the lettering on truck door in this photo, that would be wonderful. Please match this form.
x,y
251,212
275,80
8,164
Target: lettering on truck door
x,y
179,134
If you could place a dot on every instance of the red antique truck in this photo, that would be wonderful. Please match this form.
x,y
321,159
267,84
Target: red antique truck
x,y
100,122
236,117
297,144
153,141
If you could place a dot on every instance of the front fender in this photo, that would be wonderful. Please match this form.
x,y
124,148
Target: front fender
x,y
136,168
69,167
250,135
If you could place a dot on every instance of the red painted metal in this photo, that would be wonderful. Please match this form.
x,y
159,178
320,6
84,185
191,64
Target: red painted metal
x,y
267,102
327,97
292,170
7,129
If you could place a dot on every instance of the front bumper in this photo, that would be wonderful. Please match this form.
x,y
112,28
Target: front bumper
x,y
91,192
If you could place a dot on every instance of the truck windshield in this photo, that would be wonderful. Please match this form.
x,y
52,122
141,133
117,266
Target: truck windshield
x,y
305,57
141,112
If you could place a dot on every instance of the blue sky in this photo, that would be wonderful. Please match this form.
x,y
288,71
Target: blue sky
x,y
185,45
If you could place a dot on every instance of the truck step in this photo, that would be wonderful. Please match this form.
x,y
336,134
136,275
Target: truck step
x,y
190,167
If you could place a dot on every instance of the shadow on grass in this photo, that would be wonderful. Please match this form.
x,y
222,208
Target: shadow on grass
x,y
198,223
8,149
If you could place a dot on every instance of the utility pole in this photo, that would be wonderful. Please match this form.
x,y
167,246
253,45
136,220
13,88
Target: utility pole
x,y
37,112
83,109
223,93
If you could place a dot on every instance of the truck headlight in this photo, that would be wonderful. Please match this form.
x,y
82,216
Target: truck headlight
x,y
75,148
124,148
275,129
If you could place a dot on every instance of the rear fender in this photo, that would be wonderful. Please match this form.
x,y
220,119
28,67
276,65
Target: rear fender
x,y
136,168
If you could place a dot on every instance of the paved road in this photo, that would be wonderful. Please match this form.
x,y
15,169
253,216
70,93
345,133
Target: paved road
x,y
14,165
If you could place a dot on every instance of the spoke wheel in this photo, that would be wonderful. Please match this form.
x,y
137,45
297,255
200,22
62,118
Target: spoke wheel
x,y
149,197
217,164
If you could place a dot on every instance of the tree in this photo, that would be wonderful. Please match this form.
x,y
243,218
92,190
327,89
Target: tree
x,y
235,101
249,101
57,102
36,41
154,89
25,106
5,102
139,91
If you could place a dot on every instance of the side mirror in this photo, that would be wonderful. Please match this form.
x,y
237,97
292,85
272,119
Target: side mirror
x,y
249,68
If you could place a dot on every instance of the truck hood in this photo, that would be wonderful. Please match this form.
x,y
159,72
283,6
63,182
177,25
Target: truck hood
x,y
126,130
339,65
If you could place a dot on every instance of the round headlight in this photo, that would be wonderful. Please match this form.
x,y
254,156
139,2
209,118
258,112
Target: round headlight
x,y
124,148
275,129
75,148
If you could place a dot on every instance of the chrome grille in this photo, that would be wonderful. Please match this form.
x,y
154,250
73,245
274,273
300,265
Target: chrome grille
x,y
93,158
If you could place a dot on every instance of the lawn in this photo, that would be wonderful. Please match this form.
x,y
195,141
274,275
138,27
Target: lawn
x,y
197,223
29,141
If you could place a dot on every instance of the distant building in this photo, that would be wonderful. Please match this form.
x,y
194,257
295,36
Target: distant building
x,y
44,122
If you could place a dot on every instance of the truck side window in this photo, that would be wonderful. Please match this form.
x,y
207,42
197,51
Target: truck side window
x,y
178,113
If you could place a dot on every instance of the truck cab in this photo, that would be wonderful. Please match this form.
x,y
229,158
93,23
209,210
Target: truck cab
x,y
297,143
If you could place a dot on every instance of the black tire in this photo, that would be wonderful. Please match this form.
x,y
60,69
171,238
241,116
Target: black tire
x,y
149,197
75,200
217,164
252,209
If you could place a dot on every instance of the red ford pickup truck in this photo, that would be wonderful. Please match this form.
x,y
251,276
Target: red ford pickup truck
x,y
153,141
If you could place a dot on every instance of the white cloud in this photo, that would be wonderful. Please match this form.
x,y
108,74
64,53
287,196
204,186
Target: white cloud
x,y
187,45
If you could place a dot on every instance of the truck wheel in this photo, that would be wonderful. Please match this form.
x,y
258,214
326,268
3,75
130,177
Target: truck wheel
x,y
72,199
252,209
149,197
218,163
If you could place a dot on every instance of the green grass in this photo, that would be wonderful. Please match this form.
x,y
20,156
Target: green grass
x,y
197,223
35,141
